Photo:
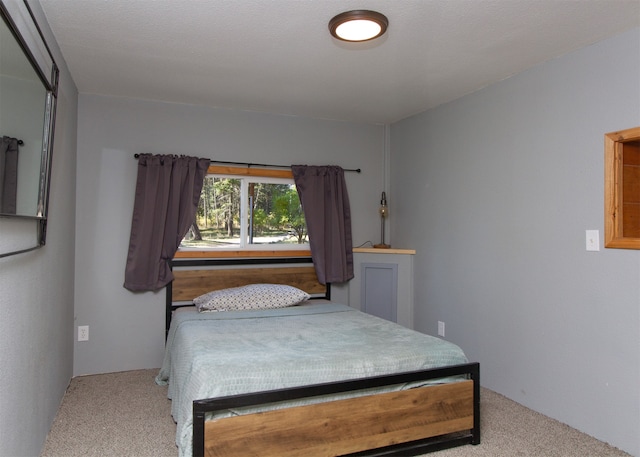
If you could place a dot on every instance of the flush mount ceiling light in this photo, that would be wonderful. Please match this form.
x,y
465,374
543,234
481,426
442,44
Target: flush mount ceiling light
x,y
358,25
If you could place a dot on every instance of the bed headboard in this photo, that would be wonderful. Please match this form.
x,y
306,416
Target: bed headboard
x,y
194,277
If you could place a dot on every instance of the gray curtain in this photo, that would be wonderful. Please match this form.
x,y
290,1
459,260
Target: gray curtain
x,y
167,194
8,175
325,202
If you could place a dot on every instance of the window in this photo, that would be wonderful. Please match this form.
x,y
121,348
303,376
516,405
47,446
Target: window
x,y
247,209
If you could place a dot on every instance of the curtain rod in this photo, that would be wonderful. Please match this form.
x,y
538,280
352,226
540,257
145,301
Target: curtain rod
x,y
249,164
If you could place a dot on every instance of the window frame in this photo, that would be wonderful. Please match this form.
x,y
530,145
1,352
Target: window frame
x,y
614,185
255,250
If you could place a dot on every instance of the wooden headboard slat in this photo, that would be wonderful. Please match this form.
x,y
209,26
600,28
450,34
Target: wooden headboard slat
x,y
188,284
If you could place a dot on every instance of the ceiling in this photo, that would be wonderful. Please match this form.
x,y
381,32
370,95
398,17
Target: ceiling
x,y
277,55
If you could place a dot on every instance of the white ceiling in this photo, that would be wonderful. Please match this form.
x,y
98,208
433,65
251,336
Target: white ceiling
x,y
277,55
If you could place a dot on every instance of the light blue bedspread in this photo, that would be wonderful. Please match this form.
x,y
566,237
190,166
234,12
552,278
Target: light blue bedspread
x,y
217,354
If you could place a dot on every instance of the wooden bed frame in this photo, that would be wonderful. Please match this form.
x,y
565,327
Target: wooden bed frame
x,y
407,422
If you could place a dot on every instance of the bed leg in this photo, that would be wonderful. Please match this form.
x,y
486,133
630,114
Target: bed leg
x,y
198,431
475,433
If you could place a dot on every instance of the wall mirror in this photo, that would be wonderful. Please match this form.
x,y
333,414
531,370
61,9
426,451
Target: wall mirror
x,y
28,92
622,189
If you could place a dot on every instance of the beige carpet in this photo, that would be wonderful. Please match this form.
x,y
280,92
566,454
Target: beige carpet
x,y
127,414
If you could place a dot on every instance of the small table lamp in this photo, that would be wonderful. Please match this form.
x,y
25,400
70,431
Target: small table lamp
x,y
384,213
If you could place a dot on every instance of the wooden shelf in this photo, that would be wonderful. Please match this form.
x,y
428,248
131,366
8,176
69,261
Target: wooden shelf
x,y
385,251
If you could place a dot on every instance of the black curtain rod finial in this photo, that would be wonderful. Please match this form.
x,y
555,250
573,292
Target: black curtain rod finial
x,y
20,142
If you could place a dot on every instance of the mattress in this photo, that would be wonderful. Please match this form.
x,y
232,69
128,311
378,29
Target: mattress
x,y
210,355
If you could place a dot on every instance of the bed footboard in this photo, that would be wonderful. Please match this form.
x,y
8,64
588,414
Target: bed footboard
x,y
405,422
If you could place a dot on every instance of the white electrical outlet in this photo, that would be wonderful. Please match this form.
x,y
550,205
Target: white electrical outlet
x,y
441,329
83,333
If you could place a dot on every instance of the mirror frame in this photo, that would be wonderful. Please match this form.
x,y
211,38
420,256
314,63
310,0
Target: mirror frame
x,y
23,25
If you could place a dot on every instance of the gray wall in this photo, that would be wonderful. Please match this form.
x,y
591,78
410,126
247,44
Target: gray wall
x,y
126,330
495,192
36,349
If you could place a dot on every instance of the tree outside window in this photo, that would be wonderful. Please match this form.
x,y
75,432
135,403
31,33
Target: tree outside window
x,y
247,212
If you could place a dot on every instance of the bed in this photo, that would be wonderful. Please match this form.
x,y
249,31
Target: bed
x,y
314,379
